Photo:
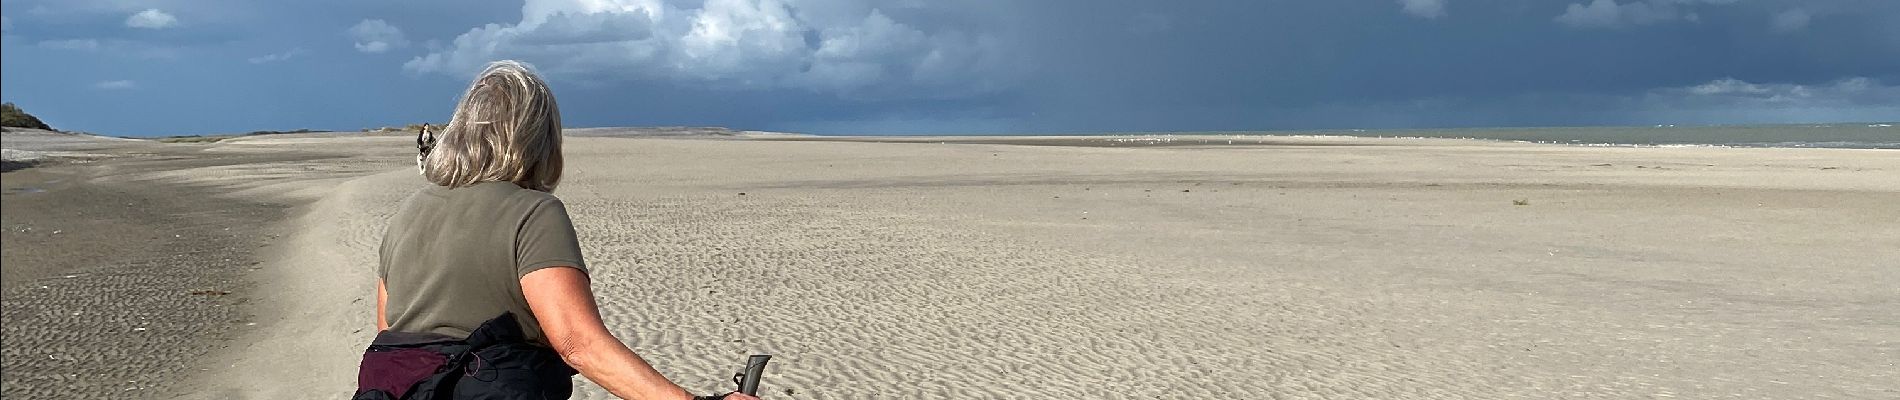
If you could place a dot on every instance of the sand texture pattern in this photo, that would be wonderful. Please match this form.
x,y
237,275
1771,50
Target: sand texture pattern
x,y
128,263
1340,271
1285,268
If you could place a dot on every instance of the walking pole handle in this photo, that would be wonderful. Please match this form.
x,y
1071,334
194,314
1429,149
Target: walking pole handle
x,y
748,379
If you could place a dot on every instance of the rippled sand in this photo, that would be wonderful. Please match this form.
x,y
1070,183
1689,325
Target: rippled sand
x,y
1317,268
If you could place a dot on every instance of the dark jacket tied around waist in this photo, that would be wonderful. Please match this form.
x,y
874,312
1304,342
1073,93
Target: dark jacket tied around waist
x,y
495,362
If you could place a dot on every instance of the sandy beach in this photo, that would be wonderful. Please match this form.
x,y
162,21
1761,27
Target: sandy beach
x,y
1014,267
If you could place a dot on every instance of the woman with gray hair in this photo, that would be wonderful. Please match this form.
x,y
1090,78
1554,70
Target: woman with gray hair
x,y
482,291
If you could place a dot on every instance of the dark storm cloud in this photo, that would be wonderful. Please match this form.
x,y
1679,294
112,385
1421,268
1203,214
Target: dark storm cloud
x,y
1241,64
967,66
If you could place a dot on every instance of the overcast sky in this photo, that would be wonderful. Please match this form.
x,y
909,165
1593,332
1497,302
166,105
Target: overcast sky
x,y
163,67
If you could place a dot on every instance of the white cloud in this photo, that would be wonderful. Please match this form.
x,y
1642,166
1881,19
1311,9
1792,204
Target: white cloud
x,y
113,47
1608,14
71,44
377,36
115,85
1793,19
1612,14
847,48
1845,91
275,57
151,18
1424,8
1731,101
1726,86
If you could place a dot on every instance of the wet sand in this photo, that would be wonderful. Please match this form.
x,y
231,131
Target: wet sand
x,y
115,287
121,278
1313,268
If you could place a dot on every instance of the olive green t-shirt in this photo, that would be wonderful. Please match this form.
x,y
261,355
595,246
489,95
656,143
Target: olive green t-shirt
x,y
453,258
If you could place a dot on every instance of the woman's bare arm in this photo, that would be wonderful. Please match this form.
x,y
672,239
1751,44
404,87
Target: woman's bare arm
x,y
382,304
564,304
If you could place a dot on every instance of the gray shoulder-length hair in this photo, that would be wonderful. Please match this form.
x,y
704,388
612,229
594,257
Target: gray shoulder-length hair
x,y
507,128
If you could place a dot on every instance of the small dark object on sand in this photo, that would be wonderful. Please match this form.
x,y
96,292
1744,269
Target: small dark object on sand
x,y
209,292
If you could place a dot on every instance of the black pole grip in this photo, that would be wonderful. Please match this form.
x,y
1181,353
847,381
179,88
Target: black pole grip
x,y
754,369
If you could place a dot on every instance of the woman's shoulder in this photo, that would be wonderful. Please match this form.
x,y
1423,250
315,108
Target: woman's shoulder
x,y
498,197
418,199
516,198
529,195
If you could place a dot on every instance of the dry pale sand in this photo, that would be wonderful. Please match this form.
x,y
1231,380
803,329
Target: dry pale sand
x,y
1317,268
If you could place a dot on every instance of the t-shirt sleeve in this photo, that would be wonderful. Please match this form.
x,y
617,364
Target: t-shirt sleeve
x,y
382,257
546,239
383,248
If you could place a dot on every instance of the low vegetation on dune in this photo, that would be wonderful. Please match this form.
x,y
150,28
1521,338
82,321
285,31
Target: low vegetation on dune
x,y
193,139
404,128
12,117
216,138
